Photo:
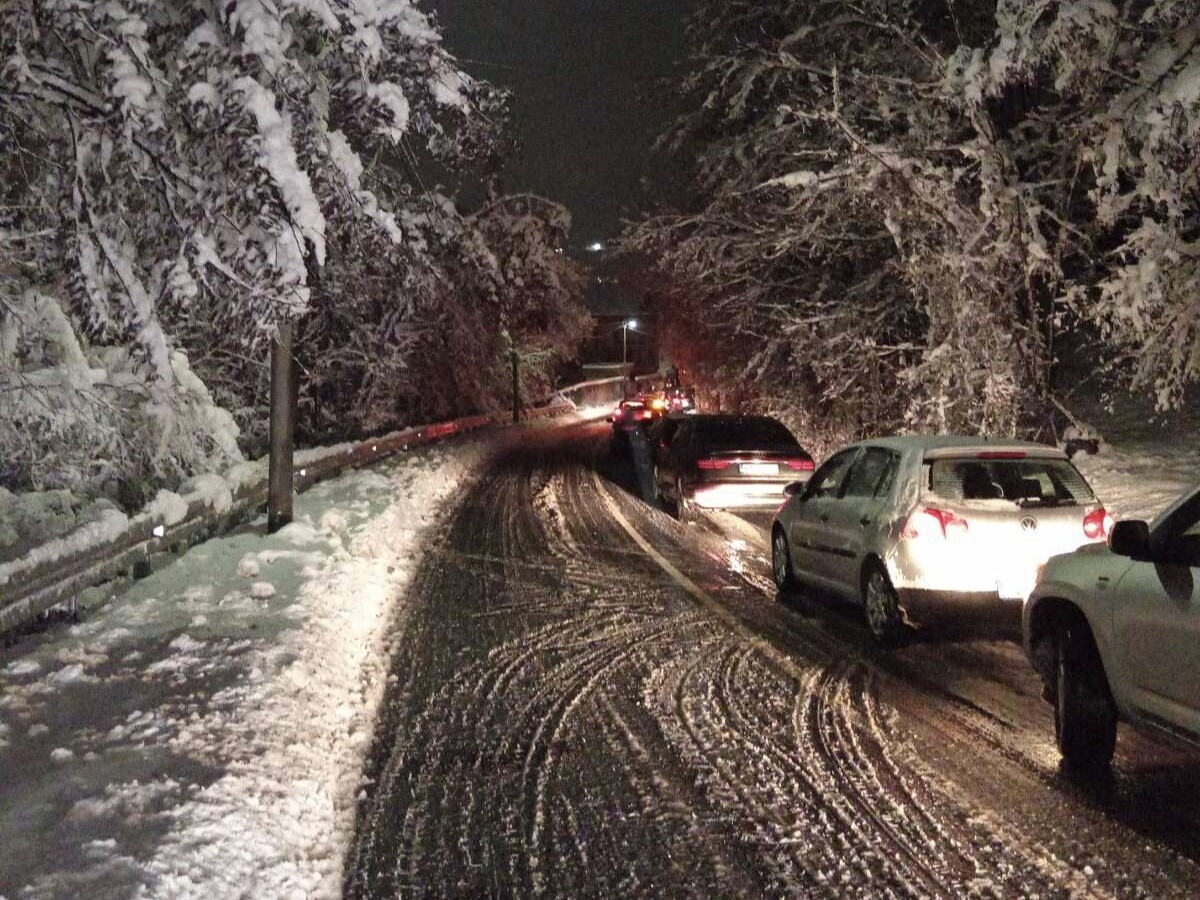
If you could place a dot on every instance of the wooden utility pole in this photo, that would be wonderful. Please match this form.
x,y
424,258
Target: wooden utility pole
x,y
283,430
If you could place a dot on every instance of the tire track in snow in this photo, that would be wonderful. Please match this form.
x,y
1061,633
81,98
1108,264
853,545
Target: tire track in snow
x,y
999,853
592,730
823,730
740,774
956,844
518,708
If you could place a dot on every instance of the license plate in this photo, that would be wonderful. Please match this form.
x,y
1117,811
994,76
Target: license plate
x,y
1014,589
760,469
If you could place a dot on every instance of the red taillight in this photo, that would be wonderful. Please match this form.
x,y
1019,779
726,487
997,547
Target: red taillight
x,y
714,464
799,465
923,521
644,414
1097,524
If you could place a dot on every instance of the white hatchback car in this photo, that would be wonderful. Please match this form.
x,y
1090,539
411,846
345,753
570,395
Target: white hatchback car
x,y
916,527
1115,633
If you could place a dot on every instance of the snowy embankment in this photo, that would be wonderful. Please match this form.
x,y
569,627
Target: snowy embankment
x,y
201,734
1144,463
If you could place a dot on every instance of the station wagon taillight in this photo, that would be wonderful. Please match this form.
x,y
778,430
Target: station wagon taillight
x,y
1097,524
714,464
799,465
932,521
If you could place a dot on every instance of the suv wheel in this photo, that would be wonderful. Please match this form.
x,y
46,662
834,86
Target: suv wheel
x,y
1085,720
882,606
781,563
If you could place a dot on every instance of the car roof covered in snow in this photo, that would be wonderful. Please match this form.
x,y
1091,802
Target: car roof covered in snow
x,y
932,444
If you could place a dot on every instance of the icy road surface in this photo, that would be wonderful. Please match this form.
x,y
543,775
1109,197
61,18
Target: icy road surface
x,y
592,700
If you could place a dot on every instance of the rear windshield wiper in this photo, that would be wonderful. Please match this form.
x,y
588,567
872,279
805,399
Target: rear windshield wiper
x,y
1045,501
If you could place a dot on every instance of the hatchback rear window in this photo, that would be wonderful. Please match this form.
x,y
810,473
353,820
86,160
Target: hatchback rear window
x,y
1028,481
743,433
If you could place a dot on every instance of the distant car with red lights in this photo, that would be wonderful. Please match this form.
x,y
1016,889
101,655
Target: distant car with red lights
x,y
630,415
725,462
917,528
656,402
681,400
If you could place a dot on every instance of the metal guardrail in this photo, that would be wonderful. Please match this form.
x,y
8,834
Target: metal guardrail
x,y
43,581
600,390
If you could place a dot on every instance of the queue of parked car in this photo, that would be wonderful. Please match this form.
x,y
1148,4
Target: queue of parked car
x,y
921,530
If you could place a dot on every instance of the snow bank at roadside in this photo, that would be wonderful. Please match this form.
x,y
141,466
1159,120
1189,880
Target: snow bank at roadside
x,y
202,734
1144,463
281,819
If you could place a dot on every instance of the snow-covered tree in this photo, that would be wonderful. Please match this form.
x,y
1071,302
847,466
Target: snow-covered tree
x,y
178,177
902,205
534,288
1119,89
490,278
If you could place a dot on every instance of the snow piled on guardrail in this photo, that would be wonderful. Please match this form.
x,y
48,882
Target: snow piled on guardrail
x,y
215,491
202,734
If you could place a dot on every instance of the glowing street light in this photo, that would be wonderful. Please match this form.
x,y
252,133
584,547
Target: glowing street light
x,y
595,246
625,326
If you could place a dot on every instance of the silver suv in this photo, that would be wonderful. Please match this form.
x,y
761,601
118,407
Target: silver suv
x,y
1114,632
917,527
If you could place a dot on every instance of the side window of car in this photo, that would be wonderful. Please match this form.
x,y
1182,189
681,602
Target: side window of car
x,y
888,479
874,467
827,480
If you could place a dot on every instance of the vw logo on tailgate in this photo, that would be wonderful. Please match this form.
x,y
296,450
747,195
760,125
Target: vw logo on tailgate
x,y
1028,523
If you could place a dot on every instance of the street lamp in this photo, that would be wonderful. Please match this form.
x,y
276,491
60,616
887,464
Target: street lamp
x,y
625,326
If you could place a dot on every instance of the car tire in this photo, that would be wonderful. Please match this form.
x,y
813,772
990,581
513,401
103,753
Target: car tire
x,y
881,605
781,564
1085,719
683,506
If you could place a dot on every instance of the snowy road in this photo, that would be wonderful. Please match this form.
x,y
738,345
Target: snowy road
x,y
592,700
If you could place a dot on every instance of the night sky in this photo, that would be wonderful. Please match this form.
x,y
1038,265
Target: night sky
x,y
589,101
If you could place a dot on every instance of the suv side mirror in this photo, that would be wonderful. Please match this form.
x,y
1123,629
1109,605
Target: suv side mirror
x,y
1131,538
795,489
